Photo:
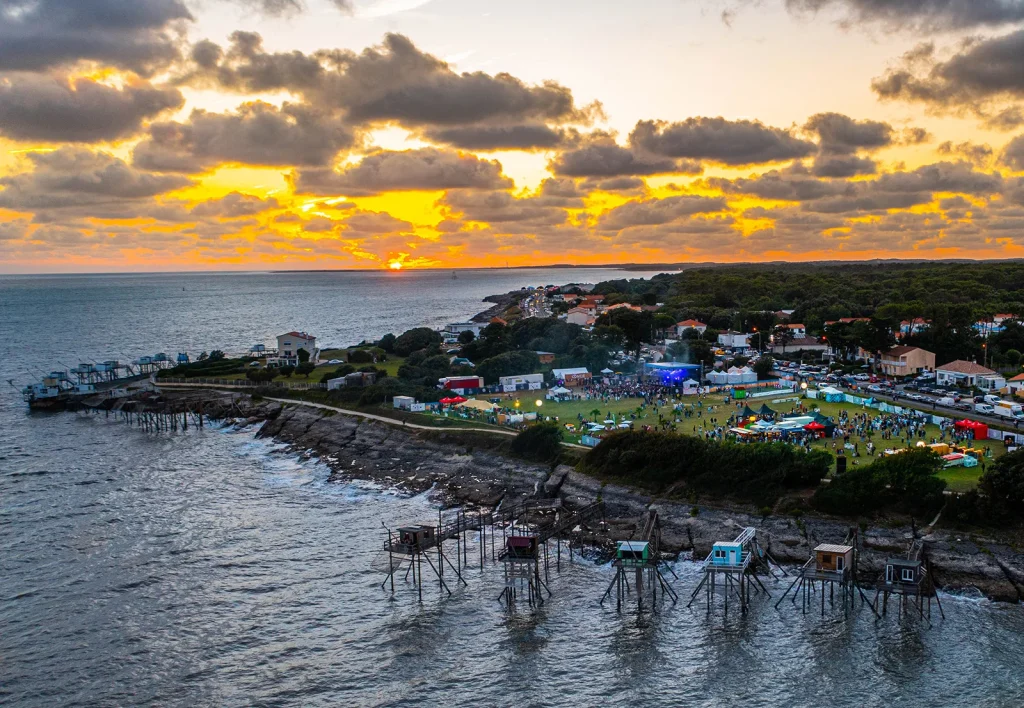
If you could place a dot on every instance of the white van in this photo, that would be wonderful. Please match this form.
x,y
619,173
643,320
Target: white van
x,y
1008,409
946,401
990,399
984,408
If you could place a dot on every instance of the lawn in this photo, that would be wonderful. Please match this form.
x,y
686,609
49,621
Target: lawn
x,y
961,479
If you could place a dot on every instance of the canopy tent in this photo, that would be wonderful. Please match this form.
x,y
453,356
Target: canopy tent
x,y
980,430
607,371
814,427
765,410
448,401
832,395
478,405
749,412
559,391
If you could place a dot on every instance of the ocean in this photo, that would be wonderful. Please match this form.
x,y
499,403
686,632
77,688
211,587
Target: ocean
x,y
209,568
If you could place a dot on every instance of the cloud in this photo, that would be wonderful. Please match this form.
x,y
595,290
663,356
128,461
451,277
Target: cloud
x,y
601,156
365,223
427,169
46,108
496,137
393,82
140,35
653,212
741,142
972,152
827,165
981,77
234,205
918,14
793,184
255,134
956,177
502,207
840,134
1013,154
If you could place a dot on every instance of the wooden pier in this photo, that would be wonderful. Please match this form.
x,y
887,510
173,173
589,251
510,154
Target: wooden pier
x,y
642,558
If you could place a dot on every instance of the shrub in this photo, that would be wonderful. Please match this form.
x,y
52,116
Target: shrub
x,y
539,443
387,343
905,482
416,339
360,356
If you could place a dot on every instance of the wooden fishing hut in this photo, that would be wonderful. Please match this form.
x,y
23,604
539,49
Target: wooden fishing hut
x,y
737,565
418,542
642,560
832,566
910,580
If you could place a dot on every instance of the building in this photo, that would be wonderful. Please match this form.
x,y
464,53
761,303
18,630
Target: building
x,y
914,326
531,382
624,306
686,325
461,383
1016,384
581,316
783,315
734,340
452,330
799,331
847,320
545,357
572,377
289,345
906,361
804,344
967,373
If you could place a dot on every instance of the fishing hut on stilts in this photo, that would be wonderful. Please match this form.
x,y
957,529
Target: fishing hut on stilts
x,y
525,553
832,565
911,580
737,565
642,559
409,546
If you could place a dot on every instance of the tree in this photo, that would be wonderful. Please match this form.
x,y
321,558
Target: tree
x,y
763,367
539,443
1013,358
305,368
416,339
360,356
216,355
637,326
387,343
782,336
302,355
1003,484
508,364
466,336
287,371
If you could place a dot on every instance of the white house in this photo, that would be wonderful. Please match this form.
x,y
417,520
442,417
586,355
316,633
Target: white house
x,y
798,331
1016,384
288,346
734,340
967,373
452,330
685,325
581,316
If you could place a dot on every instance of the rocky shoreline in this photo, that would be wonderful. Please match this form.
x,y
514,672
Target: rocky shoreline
x,y
467,469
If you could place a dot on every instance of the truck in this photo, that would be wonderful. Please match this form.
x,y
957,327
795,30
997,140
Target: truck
x,y
984,408
1008,409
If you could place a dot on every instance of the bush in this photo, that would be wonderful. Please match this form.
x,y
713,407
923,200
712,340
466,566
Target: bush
x,y
387,343
538,443
905,482
305,368
756,472
287,371
416,339
360,356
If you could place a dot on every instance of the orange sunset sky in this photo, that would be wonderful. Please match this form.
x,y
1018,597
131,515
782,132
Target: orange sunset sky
x,y
140,135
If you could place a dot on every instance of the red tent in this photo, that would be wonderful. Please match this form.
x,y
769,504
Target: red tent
x,y
450,401
980,430
814,427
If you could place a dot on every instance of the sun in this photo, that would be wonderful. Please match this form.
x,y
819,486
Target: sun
x,y
395,265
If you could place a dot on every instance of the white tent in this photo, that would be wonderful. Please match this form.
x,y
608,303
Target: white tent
x,y
559,391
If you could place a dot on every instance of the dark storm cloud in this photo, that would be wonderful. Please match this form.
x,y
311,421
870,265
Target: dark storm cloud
x,y
841,134
919,14
75,176
741,142
496,137
985,70
37,107
428,169
1013,154
140,35
601,156
256,134
391,82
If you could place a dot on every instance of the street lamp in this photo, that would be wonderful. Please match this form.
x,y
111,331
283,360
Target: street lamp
x,y
539,403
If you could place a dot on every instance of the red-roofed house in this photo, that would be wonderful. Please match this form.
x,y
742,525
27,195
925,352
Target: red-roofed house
x,y
967,373
1016,384
288,346
690,324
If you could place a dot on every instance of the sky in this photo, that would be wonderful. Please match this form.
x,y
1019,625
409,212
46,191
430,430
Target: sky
x,y
168,135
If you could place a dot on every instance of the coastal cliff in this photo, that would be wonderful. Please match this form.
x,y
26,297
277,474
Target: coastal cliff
x,y
468,468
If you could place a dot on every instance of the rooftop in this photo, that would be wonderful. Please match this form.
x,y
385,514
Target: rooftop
x,y
900,351
299,335
965,367
832,548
